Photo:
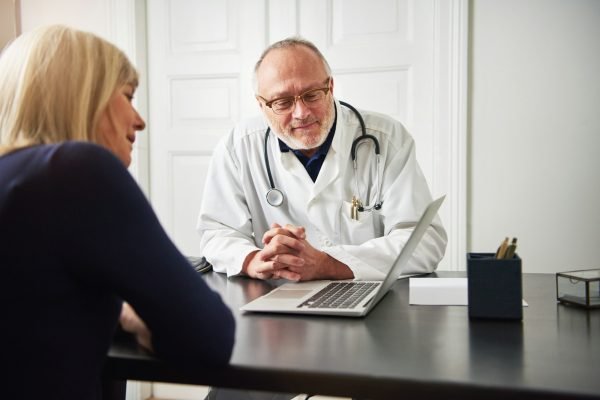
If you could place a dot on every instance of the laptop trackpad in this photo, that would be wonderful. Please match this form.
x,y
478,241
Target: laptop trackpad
x,y
288,294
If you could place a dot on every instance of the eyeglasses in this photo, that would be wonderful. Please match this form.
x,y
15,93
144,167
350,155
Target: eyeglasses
x,y
310,98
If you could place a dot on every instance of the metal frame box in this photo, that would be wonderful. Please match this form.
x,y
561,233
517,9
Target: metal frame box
x,y
580,288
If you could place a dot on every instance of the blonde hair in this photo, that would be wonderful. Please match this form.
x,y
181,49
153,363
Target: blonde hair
x,y
56,82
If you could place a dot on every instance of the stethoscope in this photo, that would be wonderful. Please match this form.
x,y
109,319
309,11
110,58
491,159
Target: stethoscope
x,y
275,196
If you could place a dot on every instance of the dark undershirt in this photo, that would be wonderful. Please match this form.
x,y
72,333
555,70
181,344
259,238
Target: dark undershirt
x,y
313,164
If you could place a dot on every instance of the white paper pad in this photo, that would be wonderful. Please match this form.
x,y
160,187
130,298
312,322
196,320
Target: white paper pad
x,y
439,292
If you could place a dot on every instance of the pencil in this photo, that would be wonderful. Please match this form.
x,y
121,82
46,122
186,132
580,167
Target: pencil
x,y
502,249
512,247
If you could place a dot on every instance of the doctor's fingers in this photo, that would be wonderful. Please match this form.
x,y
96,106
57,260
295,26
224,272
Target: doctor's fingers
x,y
296,232
282,244
304,273
290,227
259,270
287,274
268,268
273,232
287,261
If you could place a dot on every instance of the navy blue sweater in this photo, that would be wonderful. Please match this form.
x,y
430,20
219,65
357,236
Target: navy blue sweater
x,y
77,237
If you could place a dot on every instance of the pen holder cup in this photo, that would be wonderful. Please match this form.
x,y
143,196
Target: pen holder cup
x,y
494,287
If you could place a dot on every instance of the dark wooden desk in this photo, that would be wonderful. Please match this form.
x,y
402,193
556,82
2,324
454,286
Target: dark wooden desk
x,y
398,350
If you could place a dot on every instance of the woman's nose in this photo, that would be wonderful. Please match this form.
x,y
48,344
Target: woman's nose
x,y
139,123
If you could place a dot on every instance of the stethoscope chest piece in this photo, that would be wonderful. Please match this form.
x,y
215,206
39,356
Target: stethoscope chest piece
x,y
275,197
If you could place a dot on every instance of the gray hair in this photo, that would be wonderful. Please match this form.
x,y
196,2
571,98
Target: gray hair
x,y
287,43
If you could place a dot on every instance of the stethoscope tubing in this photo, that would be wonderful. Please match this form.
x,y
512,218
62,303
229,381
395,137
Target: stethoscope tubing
x,y
275,197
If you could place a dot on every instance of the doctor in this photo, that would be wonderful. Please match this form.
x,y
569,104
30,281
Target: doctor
x,y
283,198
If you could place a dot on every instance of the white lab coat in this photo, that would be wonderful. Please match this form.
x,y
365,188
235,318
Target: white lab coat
x,y
235,214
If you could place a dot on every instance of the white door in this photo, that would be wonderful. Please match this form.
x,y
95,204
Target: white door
x,y
400,57
200,56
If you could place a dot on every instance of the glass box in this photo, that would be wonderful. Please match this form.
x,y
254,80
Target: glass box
x,y
581,288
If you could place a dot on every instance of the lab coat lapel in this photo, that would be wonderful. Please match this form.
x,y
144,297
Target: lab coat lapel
x,y
328,173
336,159
291,164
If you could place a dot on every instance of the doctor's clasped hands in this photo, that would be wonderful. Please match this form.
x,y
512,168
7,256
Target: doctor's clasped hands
x,y
288,255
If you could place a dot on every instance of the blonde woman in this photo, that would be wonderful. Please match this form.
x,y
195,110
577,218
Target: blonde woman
x,y
77,236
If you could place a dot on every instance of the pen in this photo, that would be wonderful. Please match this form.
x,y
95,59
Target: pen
x,y
354,208
512,247
502,249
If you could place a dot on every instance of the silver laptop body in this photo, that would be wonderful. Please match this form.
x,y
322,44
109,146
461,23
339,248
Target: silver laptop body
x,y
299,298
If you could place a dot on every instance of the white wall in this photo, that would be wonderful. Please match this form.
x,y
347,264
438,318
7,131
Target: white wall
x,y
9,26
535,130
88,15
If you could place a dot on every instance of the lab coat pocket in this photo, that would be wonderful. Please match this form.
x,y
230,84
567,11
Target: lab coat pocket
x,y
354,231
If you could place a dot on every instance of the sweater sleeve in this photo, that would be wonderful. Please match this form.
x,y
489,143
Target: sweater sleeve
x,y
117,244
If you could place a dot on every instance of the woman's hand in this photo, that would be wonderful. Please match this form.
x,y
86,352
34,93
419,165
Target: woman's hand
x,y
132,323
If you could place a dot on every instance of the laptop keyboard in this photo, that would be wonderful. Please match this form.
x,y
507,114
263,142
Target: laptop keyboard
x,y
340,295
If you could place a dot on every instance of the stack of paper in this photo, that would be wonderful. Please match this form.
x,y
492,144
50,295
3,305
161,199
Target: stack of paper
x,y
438,291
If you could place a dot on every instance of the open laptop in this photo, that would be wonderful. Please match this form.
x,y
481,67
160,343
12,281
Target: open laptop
x,y
357,297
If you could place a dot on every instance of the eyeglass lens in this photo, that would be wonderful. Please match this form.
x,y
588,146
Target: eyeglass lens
x,y
310,99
